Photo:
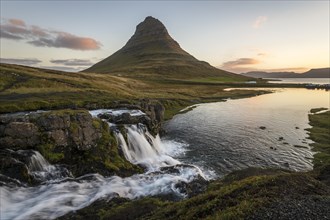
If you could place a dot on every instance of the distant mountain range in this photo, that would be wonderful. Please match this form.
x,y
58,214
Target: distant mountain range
x,y
313,73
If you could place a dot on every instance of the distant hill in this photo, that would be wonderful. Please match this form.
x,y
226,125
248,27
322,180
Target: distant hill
x,y
261,74
152,51
317,73
313,73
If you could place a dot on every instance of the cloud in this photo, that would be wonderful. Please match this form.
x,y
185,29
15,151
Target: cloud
x,y
239,65
63,68
260,21
262,54
17,22
27,61
8,35
16,29
240,62
73,62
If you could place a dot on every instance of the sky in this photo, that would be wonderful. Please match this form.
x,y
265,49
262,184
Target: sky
x,y
237,36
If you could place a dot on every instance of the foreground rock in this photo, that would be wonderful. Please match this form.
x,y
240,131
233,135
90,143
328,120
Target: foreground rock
x,y
247,194
74,138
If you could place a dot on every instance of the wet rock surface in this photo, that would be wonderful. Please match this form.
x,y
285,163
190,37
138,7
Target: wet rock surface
x,y
153,117
71,137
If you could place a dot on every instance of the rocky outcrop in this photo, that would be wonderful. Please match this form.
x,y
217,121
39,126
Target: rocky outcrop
x,y
70,137
62,128
155,111
153,117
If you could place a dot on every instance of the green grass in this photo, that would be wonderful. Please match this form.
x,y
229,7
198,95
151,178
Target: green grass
x,y
314,110
27,88
320,134
237,196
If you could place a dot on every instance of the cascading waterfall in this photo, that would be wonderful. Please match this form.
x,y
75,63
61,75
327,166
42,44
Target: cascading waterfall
x,y
142,148
42,170
56,198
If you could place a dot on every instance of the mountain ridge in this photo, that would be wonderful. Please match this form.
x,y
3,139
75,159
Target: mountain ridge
x,y
312,73
152,51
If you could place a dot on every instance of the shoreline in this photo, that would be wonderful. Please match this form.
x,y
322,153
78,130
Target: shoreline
x,y
252,193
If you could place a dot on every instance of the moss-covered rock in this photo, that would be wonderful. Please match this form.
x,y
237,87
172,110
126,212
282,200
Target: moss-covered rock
x,y
70,137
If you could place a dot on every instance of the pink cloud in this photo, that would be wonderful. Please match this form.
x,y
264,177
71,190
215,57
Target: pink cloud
x,y
16,22
16,29
240,64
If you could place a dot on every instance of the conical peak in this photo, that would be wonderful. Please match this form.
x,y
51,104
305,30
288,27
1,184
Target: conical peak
x,y
150,26
150,30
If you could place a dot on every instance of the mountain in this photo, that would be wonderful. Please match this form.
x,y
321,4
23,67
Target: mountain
x,y
261,74
317,73
313,73
152,51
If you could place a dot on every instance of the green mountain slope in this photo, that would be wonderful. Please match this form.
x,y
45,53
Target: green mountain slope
x,y
152,51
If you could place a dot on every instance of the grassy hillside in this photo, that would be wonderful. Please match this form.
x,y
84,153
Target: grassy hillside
x,y
152,52
26,88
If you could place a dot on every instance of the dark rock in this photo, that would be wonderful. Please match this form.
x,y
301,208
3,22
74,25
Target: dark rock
x,y
69,137
14,166
53,122
20,135
193,188
262,127
60,137
281,138
297,127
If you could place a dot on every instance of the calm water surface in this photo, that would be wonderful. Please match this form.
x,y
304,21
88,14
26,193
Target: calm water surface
x,y
302,80
226,136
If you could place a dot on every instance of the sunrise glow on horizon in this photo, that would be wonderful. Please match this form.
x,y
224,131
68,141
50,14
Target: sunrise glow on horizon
x,y
237,36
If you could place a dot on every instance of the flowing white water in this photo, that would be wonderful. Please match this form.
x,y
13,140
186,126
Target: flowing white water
x,y
144,149
42,170
58,197
53,200
116,112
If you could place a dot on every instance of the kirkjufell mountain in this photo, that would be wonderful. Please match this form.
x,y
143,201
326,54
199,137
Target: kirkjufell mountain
x,y
151,50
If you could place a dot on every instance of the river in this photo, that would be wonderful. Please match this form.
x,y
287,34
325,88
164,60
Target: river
x,y
207,142
300,80
226,136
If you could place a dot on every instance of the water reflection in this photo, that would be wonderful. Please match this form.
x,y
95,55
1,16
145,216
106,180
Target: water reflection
x,y
227,135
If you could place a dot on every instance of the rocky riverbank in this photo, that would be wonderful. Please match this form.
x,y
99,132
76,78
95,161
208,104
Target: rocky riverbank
x,y
252,193
71,138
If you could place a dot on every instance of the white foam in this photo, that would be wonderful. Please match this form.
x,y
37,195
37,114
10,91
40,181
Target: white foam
x,y
54,200
58,197
142,148
116,112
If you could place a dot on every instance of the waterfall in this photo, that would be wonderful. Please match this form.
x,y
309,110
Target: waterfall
x,y
144,149
39,163
53,199
42,170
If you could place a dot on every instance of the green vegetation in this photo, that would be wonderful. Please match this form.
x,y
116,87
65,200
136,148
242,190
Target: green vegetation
x,y
314,110
49,152
320,134
240,195
237,196
27,88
